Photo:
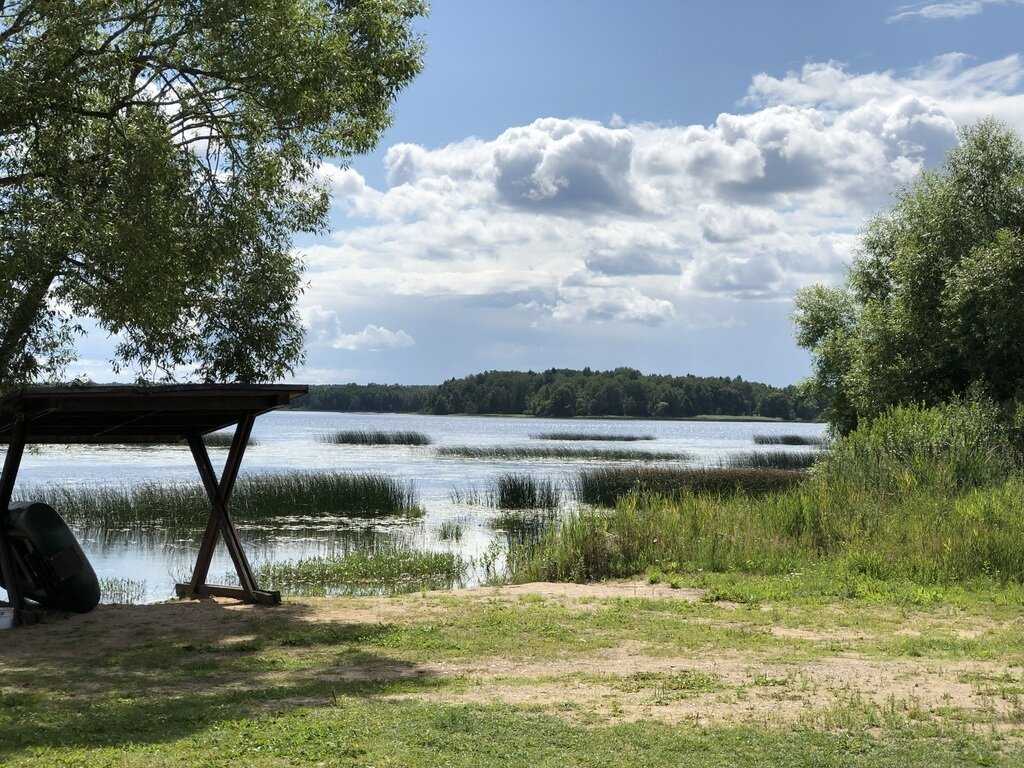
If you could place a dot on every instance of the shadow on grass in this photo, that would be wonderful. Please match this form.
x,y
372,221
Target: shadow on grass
x,y
158,673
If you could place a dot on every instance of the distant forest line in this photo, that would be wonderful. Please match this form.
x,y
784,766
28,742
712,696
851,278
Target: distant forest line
x,y
567,393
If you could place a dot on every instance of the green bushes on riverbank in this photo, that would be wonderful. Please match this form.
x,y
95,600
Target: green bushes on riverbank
x,y
929,495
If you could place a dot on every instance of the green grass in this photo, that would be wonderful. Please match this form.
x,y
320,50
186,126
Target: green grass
x,y
605,486
122,591
519,491
408,681
258,497
470,496
931,496
375,437
789,440
450,530
385,571
590,436
774,459
556,452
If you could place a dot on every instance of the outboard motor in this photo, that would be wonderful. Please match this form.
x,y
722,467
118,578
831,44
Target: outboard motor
x,y
55,571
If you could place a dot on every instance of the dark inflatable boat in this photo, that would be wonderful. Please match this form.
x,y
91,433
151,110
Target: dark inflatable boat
x,y
56,572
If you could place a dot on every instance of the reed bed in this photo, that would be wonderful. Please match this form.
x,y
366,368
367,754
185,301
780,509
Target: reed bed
x,y
450,530
789,440
385,571
521,491
470,496
223,440
258,497
925,496
606,486
556,452
522,526
376,437
579,436
774,459
119,591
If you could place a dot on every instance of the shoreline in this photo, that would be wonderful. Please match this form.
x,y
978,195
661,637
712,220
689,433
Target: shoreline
x,y
701,418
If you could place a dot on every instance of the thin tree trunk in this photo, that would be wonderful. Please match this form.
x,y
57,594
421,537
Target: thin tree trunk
x,y
15,333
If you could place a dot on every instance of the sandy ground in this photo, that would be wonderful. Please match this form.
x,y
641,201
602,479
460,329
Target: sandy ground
x,y
625,683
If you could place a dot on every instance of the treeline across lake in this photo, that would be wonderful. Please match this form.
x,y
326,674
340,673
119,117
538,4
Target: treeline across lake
x,y
566,393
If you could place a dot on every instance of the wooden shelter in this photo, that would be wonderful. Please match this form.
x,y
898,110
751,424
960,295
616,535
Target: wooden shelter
x,y
145,414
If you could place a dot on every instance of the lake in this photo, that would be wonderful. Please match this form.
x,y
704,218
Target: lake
x,y
288,441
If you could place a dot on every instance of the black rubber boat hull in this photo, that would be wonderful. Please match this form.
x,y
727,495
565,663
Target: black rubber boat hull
x,y
55,571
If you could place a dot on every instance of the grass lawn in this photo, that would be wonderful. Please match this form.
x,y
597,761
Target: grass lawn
x,y
710,670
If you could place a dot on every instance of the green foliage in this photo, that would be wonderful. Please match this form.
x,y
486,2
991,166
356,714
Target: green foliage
x,y
567,393
947,448
931,496
177,144
931,308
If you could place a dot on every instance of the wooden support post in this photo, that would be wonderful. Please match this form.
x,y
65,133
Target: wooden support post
x,y
8,567
220,523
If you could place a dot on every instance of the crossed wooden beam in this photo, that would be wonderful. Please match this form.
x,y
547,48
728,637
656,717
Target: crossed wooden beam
x,y
220,523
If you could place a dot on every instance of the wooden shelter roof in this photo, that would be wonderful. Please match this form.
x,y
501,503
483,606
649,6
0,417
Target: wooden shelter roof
x,y
132,414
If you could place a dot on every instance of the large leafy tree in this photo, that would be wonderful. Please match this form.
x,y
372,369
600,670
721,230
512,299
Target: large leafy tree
x,y
156,158
933,306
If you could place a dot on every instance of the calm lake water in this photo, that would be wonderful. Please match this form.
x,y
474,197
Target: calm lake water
x,y
287,441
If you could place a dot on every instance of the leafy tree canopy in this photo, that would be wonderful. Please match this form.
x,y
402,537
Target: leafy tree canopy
x,y
156,157
566,392
933,306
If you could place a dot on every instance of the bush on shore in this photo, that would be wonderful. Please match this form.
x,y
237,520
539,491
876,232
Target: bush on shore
x,y
929,495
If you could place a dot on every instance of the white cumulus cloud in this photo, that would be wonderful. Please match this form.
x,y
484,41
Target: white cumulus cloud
x,y
568,220
373,338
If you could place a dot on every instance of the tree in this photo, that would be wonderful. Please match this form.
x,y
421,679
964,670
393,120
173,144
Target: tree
x,y
932,307
156,157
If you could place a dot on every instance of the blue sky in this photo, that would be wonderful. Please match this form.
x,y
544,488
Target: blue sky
x,y
644,184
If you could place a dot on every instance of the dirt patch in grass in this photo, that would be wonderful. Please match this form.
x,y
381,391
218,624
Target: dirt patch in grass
x,y
311,642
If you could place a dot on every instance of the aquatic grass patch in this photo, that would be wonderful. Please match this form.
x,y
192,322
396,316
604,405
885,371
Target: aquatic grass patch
x,y
122,591
789,440
605,486
469,496
257,497
223,440
512,453
515,490
774,459
524,526
384,571
578,436
450,530
375,437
